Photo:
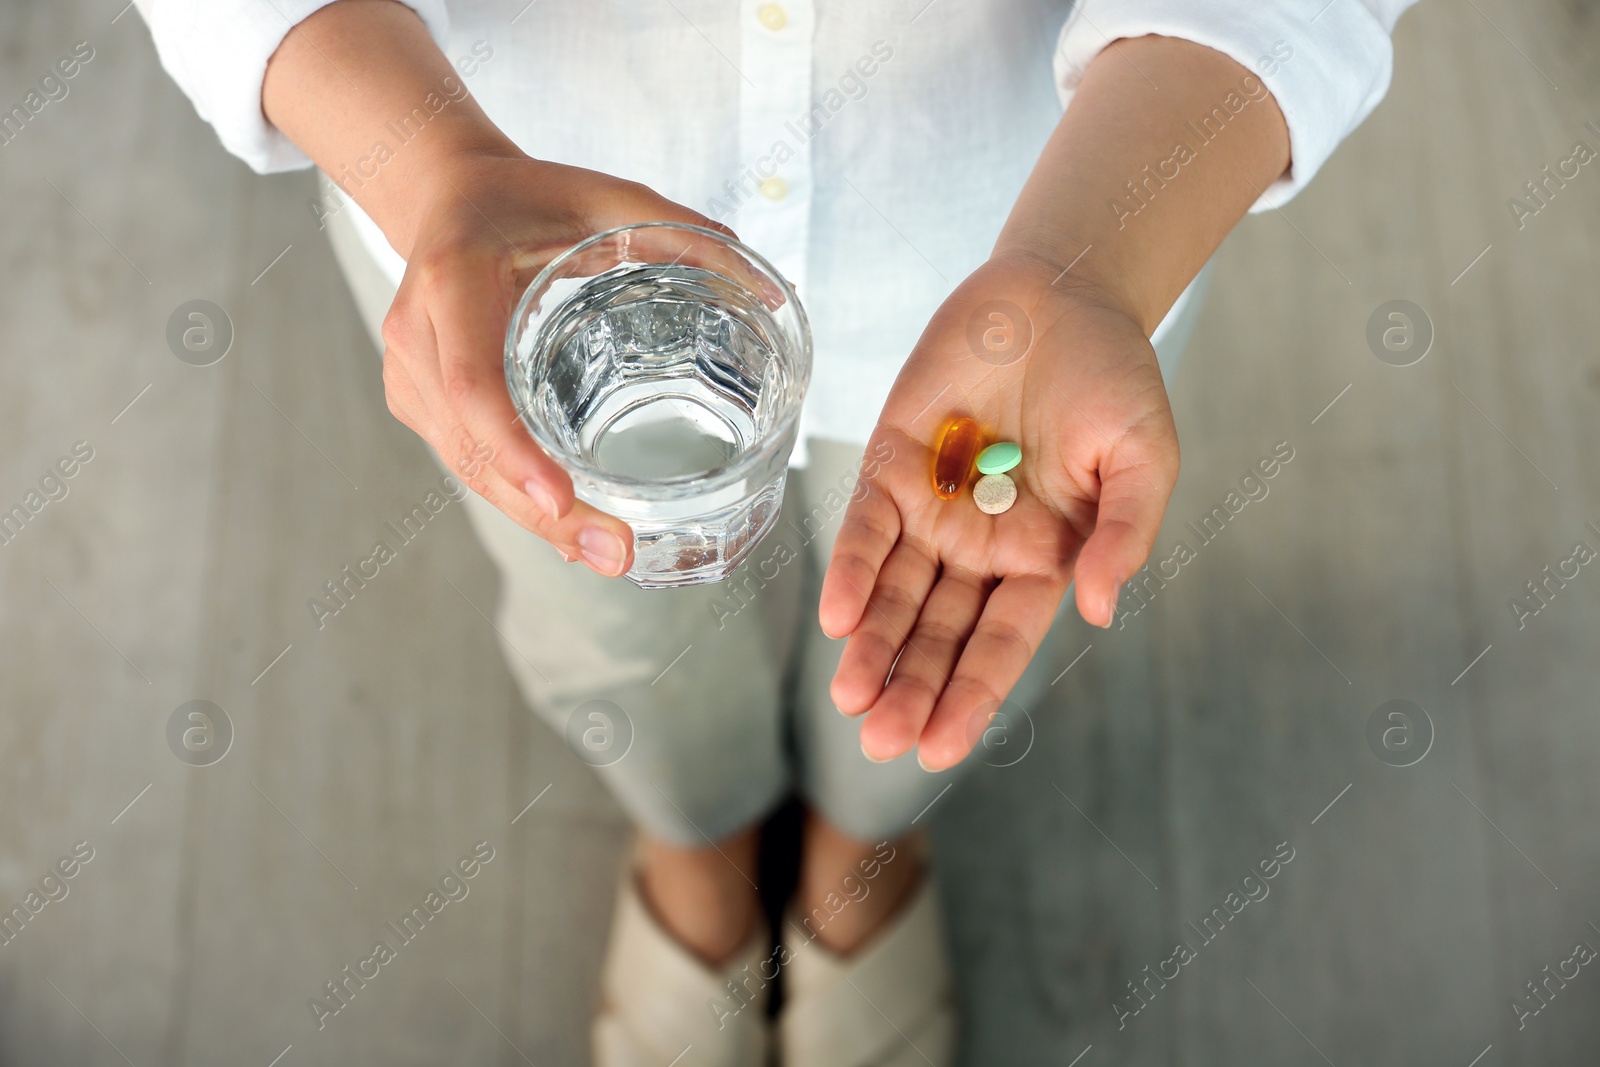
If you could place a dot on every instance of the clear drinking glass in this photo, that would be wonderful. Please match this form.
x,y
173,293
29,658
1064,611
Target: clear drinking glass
x,y
663,367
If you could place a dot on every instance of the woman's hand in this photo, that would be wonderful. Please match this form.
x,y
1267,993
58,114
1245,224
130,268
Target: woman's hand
x,y
943,605
489,224
475,220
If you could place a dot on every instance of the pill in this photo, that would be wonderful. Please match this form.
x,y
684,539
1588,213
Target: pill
x,y
952,464
999,457
994,493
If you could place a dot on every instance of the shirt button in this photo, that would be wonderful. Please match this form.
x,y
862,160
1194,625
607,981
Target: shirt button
x,y
772,16
774,188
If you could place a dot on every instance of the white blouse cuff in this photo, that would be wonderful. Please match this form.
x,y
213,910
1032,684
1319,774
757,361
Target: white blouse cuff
x,y
217,52
1327,64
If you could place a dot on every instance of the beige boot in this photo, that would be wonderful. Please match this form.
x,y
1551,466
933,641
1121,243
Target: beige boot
x,y
660,1005
889,1004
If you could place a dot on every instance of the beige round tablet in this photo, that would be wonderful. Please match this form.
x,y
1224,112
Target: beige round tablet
x,y
994,493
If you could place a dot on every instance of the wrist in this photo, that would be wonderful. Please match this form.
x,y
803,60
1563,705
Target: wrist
x,y
1142,236
1061,279
364,91
400,187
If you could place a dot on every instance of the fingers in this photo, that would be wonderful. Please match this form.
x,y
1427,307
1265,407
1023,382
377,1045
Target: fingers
x,y
896,601
405,402
623,202
590,535
1132,502
1014,622
470,337
896,720
447,383
870,528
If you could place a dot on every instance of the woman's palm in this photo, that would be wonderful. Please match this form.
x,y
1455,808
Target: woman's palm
x,y
954,601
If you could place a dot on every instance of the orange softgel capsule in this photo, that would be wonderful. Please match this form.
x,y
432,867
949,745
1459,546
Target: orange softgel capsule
x,y
952,464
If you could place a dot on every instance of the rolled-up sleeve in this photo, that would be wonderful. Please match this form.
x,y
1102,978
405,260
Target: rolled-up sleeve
x,y
1327,63
217,52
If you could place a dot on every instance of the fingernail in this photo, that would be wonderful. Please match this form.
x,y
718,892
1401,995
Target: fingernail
x,y
924,765
602,549
542,498
1111,609
873,758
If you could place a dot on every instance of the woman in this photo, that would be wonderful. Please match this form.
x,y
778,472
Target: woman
x,y
962,245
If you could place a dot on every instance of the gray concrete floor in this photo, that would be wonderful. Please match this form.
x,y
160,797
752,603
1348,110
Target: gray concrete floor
x,y
1227,717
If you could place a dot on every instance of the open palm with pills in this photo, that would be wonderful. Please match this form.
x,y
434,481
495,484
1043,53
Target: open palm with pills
x,y
943,604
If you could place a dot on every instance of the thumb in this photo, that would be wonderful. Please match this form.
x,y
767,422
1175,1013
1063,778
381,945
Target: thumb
x,y
1132,503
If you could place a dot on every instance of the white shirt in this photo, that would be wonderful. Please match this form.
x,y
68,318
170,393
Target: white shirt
x,y
871,149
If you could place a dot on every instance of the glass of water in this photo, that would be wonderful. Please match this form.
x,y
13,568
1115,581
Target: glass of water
x,y
663,367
